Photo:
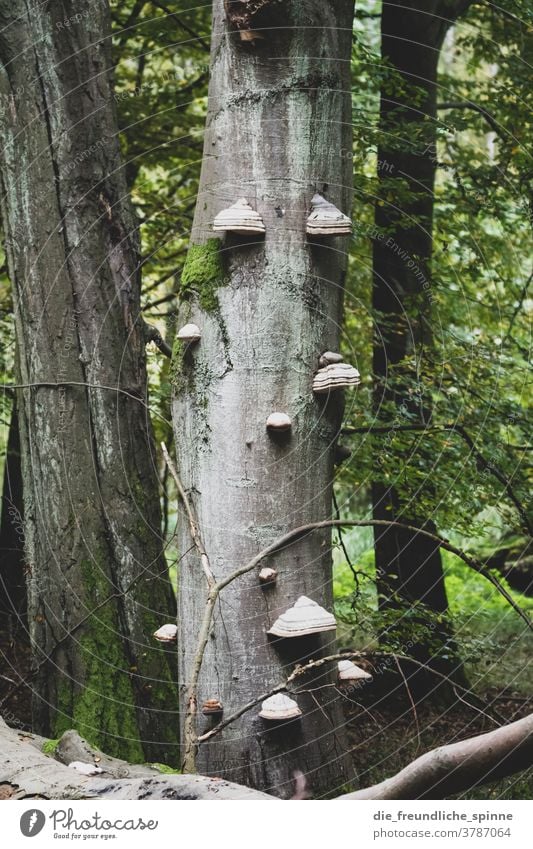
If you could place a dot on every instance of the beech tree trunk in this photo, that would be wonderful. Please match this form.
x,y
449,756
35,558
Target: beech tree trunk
x,y
279,115
97,584
408,565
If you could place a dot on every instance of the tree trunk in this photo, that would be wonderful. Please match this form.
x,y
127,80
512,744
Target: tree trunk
x,y
279,115
408,566
98,585
12,580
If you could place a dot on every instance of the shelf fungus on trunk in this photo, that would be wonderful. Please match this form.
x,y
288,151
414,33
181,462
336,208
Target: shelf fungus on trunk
x,y
239,218
189,333
212,707
326,220
279,708
278,423
335,376
267,576
329,358
349,673
166,633
304,618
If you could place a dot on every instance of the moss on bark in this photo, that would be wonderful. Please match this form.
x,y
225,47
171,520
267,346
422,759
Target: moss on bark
x,y
102,706
204,273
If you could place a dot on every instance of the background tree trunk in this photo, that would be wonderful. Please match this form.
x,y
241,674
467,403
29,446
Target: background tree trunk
x,y
408,566
98,584
12,580
279,115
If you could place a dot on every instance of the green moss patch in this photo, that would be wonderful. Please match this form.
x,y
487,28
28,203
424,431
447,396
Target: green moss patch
x,y
49,747
204,273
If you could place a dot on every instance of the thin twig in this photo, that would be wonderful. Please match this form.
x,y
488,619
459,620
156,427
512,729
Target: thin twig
x,y
191,738
191,517
413,706
345,655
461,431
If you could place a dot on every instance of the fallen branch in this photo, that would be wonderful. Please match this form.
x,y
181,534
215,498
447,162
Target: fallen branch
x,y
26,772
460,766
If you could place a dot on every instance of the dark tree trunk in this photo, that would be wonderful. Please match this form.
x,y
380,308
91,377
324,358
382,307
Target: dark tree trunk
x,y
409,566
279,114
97,580
12,581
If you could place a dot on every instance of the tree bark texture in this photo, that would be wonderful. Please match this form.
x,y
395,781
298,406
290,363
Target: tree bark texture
x,y
12,580
97,584
278,117
409,566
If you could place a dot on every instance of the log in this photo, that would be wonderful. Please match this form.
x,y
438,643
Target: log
x,y
460,766
27,772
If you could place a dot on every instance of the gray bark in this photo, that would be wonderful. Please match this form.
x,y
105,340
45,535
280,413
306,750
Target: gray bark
x,y
26,772
12,580
279,116
97,580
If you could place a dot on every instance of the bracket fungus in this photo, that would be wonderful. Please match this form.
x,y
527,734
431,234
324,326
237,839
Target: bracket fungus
x,y
326,220
212,707
328,358
279,708
239,218
303,618
349,672
335,376
167,633
189,333
267,576
278,422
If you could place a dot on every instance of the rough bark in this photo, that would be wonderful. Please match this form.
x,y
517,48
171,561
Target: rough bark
x,y
97,583
12,580
409,566
279,115
25,771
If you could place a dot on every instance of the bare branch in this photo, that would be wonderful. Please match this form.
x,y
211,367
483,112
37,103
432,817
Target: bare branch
x,y
461,431
191,517
459,766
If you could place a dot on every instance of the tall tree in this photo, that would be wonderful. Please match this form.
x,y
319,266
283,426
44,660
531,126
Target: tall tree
x,y
12,582
279,115
408,565
98,585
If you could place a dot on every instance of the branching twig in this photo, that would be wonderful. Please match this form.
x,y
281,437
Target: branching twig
x,y
191,517
461,431
191,738
345,655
